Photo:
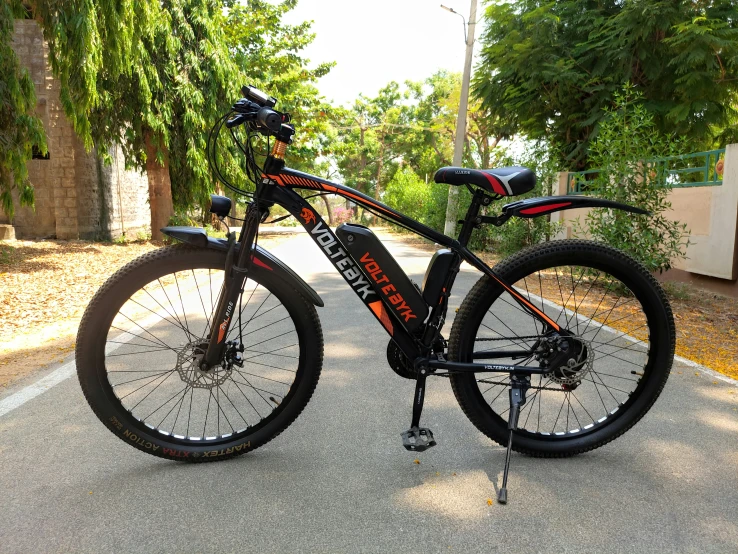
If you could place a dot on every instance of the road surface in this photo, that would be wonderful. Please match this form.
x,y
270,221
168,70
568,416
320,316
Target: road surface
x,y
338,480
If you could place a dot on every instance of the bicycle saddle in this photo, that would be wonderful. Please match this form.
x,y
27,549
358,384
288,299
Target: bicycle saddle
x,y
505,181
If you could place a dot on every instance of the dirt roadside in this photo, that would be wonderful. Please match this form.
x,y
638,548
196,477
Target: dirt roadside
x,y
46,285
706,323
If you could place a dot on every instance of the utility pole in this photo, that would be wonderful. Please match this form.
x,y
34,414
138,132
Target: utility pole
x,y
453,191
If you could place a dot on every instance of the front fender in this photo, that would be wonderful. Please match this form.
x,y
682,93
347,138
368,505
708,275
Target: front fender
x,y
263,258
533,207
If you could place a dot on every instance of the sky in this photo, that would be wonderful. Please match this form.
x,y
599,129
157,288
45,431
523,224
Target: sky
x,y
379,41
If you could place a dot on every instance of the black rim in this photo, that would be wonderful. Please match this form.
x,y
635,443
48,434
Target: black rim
x,y
151,370
603,314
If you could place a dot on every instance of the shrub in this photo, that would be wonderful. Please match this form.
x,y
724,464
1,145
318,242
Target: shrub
x,y
408,193
342,215
627,139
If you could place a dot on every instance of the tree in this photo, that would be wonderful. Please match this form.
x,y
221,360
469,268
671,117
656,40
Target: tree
x,y
154,76
20,128
366,135
268,53
150,76
551,69
434,119
416,128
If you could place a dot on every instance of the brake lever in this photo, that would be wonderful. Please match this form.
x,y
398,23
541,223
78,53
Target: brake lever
x,y
246,106
235,121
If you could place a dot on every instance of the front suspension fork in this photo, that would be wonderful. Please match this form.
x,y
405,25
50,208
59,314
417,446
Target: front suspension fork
x,y
235,278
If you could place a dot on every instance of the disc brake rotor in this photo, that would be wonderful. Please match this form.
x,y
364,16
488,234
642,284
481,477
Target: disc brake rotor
x,y
571,369
188,367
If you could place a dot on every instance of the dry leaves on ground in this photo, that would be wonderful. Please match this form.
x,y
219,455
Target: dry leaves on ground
x,y
706,323
44,289
46,285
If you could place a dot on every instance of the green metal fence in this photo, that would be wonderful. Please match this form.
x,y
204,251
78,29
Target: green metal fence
x,y
701,169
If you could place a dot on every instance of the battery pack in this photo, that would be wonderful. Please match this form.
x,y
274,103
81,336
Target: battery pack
x,y
385,276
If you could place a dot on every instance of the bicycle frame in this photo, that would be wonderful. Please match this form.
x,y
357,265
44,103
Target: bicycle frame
x,y
278,187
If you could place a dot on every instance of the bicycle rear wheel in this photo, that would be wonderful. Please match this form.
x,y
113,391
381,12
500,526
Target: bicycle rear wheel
x,y
617,321
139,339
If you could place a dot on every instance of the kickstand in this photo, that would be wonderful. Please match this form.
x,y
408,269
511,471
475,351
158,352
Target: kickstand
x,y
519,384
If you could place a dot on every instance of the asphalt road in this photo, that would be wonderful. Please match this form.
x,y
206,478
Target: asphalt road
x,y
338,480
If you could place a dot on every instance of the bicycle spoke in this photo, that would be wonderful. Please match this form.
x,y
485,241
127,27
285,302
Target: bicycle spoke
x,y
162,383
176,316
204,311
561,294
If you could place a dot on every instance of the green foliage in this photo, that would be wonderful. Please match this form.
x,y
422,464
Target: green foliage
x,y
215,233
414,128
409,194
149,73
268,53
551,68
629,137
20,128
93,44
428,143
144,72
182,219
366,136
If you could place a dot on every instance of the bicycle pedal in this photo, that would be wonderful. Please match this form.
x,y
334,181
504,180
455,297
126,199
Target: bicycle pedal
x,y
418,439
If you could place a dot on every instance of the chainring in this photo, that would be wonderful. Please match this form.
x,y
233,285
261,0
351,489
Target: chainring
x,y
399,362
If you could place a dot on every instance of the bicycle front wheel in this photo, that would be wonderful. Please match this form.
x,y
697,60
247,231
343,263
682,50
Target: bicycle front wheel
x,y
138,343
617,333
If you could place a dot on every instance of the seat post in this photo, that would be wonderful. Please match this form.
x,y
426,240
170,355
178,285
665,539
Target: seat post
x,y
472,219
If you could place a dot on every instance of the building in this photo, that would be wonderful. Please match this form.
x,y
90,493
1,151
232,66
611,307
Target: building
x,y
77,195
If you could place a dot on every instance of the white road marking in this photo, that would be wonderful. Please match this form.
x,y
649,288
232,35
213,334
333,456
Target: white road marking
x,y
39,387
61,374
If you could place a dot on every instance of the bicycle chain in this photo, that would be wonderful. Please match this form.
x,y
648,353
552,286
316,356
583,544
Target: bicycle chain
x,y
510,339
502,383
508,384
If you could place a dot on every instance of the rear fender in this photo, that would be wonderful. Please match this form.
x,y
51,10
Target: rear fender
x,y
198,237
533,207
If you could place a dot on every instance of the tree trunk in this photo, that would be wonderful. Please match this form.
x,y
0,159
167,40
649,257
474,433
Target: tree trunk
x,y
377,187
160,188
328,209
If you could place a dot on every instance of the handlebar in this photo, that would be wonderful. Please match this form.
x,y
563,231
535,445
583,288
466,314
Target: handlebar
x,y
264,118
236,121
256,110
269,119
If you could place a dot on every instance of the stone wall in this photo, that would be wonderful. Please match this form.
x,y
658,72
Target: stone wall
x,y
129,213
77,196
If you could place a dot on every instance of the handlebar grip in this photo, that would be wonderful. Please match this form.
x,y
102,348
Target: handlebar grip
x,y
235,121
269,119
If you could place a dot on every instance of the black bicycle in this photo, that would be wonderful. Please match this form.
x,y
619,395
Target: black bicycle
x,y
209,349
